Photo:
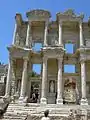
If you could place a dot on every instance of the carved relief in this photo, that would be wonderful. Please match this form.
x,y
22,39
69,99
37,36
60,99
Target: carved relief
x,y
20,37
70,90
39,12
53,40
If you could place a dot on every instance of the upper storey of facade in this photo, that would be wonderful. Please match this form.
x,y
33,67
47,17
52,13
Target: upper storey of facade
x,y
68,28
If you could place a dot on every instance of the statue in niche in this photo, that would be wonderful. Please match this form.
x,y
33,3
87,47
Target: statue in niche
x,y
52,86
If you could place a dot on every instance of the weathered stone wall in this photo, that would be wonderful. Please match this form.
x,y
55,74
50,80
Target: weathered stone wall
x,y
2,89
86,33
20,36
52,67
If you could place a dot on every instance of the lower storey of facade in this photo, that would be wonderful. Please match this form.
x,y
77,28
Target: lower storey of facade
x,y
53,86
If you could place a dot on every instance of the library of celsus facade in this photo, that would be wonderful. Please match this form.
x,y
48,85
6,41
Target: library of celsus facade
x,y
53,85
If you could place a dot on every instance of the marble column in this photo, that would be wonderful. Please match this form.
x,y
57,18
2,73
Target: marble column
x,y
44,82
83,84
81,34
8,82
24,80
29,80
28,36
14,33
45,33
13,80
60,34
59,83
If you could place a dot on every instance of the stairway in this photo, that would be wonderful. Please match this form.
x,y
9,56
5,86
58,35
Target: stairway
x,y
19,111
34,111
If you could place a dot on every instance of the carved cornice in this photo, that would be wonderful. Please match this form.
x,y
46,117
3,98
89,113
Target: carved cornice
x,y
39,13
12,48
69,14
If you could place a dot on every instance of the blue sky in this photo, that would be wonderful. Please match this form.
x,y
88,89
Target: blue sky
x,y
8,9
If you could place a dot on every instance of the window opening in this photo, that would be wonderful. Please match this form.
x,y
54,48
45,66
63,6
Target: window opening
x,y
69,48
37,47
69,68
36,70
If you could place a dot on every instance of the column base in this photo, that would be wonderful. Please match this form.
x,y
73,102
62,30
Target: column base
x,y
60,45
59,101
6,98
84,101
21,99
43,101
12,99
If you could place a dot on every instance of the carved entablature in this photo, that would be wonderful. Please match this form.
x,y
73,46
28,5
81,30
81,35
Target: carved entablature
x,y
52,52
18,52
37,14
69,15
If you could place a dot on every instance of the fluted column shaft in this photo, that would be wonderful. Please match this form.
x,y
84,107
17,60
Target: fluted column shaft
x,y
60,33
8,82
81,34
28,36
24,79
44,81
83,83
59,83
45,33
14,33
83,79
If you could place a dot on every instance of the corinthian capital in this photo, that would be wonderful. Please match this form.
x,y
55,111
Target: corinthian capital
x,y
25,58
60,22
